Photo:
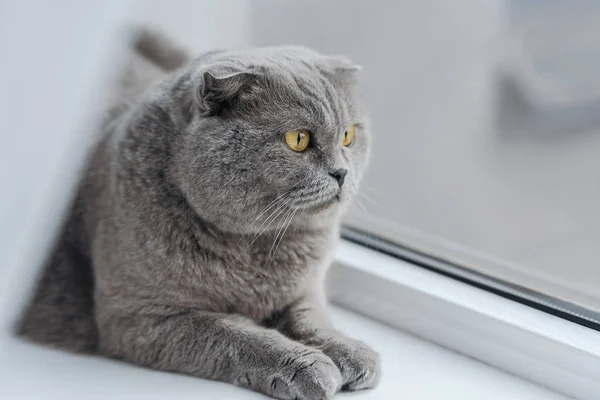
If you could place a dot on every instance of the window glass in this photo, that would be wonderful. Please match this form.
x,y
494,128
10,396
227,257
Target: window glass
x,y
486,130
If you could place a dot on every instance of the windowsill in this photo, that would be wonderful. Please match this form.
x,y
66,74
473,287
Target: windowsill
x,y
528,343
412,369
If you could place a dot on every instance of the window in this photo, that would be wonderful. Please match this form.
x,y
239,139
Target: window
x,y
487,136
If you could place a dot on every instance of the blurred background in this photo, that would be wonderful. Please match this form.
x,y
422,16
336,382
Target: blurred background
x,y
486,119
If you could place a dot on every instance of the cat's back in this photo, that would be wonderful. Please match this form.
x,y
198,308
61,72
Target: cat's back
x,y
61,311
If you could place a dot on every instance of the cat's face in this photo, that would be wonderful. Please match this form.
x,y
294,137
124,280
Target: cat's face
x,y
280,136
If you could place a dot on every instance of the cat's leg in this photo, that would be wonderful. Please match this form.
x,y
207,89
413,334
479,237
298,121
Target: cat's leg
x,y
222,347
308,322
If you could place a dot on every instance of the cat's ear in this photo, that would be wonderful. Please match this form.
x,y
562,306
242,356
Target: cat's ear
x,y
343,64
220,86
343,72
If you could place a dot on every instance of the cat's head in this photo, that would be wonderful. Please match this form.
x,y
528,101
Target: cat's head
x,y
273,133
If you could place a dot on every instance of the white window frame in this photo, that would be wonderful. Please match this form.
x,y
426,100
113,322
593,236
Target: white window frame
x,y
548,350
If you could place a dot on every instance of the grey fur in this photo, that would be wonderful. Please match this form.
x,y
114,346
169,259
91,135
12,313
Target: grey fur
x,y
159,49
198,241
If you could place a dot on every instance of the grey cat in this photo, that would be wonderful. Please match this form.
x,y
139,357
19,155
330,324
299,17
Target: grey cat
x,y
204,225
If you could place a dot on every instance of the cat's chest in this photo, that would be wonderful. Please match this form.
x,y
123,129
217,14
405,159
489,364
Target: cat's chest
x,y
262,278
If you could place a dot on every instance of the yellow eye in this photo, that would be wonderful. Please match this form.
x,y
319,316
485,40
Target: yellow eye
x,y
349,136
297,140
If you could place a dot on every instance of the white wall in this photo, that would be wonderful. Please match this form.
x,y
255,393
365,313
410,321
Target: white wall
x,y
55,58
200,25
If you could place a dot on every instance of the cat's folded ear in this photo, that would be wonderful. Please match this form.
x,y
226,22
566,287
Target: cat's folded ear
x,y
342,70
341,63
221,85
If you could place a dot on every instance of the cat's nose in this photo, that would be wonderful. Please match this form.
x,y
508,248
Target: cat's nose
x,y
339,175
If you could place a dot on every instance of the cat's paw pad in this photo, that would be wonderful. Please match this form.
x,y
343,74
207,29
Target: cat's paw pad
x,y
358,363
312,376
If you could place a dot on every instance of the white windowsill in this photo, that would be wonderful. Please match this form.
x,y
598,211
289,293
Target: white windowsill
x,y
412,368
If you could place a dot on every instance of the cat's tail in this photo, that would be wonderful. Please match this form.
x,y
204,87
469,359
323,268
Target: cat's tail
x,y
159,49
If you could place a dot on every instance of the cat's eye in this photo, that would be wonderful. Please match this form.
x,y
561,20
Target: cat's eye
x,y
297,140
349,136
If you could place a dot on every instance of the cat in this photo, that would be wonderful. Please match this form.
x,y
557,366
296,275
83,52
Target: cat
x,y
204,224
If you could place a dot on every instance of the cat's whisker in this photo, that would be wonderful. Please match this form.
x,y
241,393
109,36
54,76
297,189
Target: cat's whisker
x,y
370,189
286,220
272,217
272,204
370,200
365,196
363,208
278,201
361,205
289,222
283,221
367,213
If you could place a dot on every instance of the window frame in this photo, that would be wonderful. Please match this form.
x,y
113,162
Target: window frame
x,y
527,342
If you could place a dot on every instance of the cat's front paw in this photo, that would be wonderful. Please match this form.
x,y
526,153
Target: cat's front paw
x,y
310,376
358,363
